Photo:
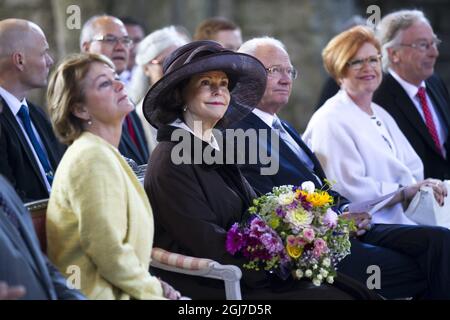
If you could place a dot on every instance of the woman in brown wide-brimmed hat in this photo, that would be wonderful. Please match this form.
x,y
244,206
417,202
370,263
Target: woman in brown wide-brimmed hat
x,y
196,201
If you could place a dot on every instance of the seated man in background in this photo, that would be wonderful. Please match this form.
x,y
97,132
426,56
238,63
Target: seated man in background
x,y
29,152
107,35
222,30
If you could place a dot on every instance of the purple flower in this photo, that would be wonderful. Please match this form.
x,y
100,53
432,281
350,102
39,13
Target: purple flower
x,y
235,239
330,219
280,212
272,243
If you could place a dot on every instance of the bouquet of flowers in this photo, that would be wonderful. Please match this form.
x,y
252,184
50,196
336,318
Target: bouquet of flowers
x,y
293,230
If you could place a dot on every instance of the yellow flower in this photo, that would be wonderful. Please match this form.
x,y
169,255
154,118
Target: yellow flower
x,y
294,251
318,199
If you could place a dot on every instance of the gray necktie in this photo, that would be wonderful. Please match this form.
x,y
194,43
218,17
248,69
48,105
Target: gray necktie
x,y
292,144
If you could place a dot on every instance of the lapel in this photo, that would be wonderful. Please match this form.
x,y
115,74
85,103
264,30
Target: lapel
x,y
129,145
409,110
17,131
286,155
439,102
140,135
317,167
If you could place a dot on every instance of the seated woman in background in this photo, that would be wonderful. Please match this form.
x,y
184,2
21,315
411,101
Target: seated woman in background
x,y
151,52
99,217
357,142
196,202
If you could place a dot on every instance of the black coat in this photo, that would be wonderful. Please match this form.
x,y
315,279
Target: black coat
x,y
194,206
392,97
17,162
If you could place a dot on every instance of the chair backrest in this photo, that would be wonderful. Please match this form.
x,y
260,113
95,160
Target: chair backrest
x,y
38,211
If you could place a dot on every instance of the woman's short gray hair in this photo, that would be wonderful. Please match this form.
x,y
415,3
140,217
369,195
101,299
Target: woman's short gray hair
x,y
148,49
389,30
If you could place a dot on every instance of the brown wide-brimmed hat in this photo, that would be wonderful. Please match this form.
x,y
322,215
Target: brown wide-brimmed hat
x,y
247,79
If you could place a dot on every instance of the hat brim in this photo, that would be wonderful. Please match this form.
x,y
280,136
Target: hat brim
x,y
247,73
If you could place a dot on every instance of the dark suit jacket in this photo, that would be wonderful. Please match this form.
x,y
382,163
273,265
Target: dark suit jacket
x,y
128,148
392,97
17,162
21,260
291,169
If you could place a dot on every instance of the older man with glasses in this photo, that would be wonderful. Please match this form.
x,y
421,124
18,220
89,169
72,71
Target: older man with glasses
x,y
411,92
107,35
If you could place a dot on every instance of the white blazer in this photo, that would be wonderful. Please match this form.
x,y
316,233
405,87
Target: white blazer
x,y
354,154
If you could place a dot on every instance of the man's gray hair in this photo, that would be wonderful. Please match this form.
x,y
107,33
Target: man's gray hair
x,y
88,31
389,30
251,46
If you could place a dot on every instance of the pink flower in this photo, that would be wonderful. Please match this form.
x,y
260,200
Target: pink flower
x,y
330,219
320,244
308,234
317,252
291,240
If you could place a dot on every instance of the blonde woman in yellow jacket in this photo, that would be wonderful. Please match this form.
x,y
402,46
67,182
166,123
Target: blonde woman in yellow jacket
x,y
99,219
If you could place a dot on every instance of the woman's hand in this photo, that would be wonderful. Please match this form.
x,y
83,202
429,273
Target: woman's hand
x,y
169,292
439,190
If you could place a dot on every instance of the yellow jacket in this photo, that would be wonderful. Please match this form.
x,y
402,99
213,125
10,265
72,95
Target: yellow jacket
x,y
99,219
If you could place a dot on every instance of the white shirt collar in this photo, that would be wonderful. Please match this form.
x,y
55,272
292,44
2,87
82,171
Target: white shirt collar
x,y
13,103
264,116
410,89
180,124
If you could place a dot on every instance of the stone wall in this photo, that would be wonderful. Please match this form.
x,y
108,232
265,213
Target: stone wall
x,y
305,26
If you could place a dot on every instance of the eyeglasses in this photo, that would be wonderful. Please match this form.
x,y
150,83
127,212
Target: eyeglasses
x,y
423,45
279,70
357,64
112,40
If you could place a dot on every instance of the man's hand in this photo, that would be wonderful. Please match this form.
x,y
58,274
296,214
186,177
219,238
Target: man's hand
x,y
11,293
363,221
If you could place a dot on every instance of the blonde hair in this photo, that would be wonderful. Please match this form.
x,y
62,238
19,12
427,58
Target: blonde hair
x,y
343,47
66,89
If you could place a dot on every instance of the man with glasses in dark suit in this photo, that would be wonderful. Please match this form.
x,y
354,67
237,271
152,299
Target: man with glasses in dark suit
x,y
411,92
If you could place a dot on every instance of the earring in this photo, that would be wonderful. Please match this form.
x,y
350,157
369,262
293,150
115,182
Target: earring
x,y
185,108
89,122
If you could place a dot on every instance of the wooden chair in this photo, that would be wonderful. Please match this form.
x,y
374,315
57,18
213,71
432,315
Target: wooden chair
x,y
161,258
38,210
